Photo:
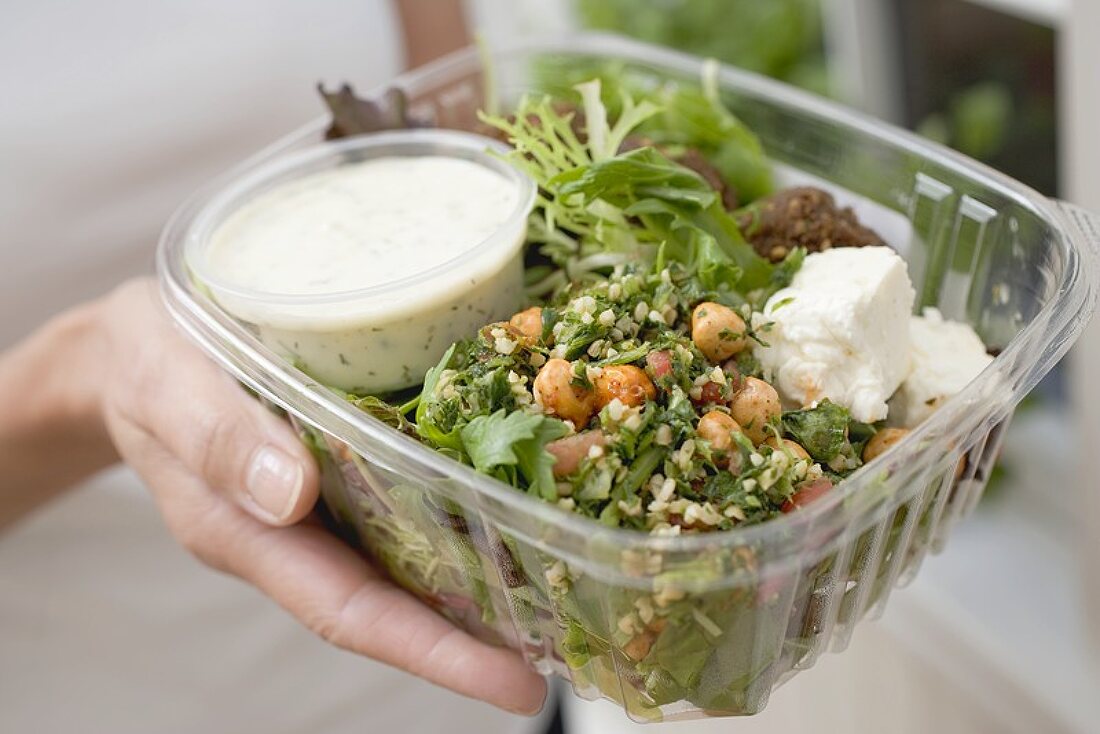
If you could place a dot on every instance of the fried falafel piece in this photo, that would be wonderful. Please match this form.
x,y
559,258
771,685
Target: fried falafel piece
x,y
802,216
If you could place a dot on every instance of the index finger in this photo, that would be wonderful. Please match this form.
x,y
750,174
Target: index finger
x,y
332,590
339,596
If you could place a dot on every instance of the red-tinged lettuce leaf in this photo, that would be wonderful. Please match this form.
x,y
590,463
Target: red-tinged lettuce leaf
x,y
354,115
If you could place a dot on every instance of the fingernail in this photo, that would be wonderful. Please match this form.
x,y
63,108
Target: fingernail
x,y
533,710
274,482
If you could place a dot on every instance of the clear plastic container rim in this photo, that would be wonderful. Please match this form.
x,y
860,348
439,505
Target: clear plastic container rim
x,y
1040,344
401,143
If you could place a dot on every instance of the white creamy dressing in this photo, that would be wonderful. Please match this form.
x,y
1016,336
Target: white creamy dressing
x,y
361,225
386,224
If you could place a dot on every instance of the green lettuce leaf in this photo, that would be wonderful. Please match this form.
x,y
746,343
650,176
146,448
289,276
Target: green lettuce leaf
x,y
501,440
638,174
425,423
601,208
389,414
574,646
535,462
682,652
695,119
675,206
822,431
604,139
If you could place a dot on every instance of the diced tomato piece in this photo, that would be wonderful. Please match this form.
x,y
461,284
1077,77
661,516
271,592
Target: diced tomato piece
x,y
659,363
570,451
806,493
711,393
733,374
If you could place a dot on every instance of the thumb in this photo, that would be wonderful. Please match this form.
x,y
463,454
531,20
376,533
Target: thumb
x,y
175,394
238,447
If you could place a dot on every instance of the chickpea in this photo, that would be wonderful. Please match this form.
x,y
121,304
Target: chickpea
x,y
717,429
717,330
883,440
754,405
639,646
555,392
795,448
626,382
528,322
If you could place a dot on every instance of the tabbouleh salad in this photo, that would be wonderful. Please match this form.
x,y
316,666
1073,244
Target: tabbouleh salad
x,y
631,393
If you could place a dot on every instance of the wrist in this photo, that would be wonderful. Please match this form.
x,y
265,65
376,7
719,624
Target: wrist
x,y
78,377
52,432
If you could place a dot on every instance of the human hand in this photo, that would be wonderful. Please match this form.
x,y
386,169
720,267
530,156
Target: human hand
x,y
236,487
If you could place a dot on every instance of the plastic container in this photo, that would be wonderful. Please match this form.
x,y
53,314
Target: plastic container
x,y
758,604
336,336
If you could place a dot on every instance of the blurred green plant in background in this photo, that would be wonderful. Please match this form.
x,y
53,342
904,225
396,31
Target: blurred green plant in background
x,y
778,38
976,121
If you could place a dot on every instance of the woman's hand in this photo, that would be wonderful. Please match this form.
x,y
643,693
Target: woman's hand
x,y
236,487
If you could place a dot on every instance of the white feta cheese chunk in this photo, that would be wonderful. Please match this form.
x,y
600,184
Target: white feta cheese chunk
x,y
840,331
947,355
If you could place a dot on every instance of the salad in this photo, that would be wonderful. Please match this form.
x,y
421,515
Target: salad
x,y
641,389
702,352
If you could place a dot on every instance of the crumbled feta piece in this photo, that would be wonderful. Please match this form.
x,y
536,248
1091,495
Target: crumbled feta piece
x,y
840,331
946,356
